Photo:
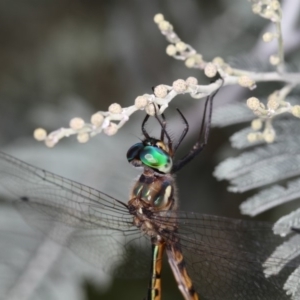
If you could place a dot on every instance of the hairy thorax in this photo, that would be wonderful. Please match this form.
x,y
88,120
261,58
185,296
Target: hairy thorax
x,y
152,198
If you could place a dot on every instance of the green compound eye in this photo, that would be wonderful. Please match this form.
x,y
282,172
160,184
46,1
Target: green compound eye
x,y
156,158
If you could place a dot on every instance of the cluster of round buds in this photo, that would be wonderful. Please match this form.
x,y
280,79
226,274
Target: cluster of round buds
x,y
253,137
268,37
194,61
163,94
275,105
183,51
268,134
163,25
177,48
269,9
179,86
215,65
100,122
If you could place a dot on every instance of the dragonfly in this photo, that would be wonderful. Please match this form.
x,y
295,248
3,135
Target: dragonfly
x,y
211,257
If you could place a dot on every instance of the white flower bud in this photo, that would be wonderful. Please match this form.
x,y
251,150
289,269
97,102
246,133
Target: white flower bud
x,y
269,135
111,129
253,103
115,108
218,61
158,18
275,5
50,143
179,86
246,81
267,37
83,137
191,81
180,46
97,119
171,50
256,8
40,134
210,70
269,13
160,91
273,101
140,102
274,60
164,25
198,58
190,62
151,109
227,69
256,124
254,136
76,123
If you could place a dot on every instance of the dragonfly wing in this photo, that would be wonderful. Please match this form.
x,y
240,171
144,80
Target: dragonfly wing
x,y
121,254
92,224
58,199
226,257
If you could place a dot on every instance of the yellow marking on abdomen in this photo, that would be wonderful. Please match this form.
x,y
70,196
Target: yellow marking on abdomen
x,y
155,283
184,281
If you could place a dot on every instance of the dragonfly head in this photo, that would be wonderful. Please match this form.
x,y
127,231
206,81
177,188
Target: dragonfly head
x,y
152,153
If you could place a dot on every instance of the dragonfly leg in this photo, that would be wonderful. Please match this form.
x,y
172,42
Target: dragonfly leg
x,y
144,131
177,264
184,132
203,135
154,291
164,123
164,132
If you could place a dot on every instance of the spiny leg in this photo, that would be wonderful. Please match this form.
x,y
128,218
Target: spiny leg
x,y
145,133
164,122
163,128
203,135
184,132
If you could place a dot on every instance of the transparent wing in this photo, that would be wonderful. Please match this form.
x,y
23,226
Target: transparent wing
x,y
92,224
226,258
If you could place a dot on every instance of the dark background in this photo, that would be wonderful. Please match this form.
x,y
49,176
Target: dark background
x,y
60,59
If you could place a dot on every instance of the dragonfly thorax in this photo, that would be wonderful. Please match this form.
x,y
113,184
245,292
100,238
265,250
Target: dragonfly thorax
x,y
152,194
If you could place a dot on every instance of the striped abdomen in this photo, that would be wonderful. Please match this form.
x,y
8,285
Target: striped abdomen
x,y
178,267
